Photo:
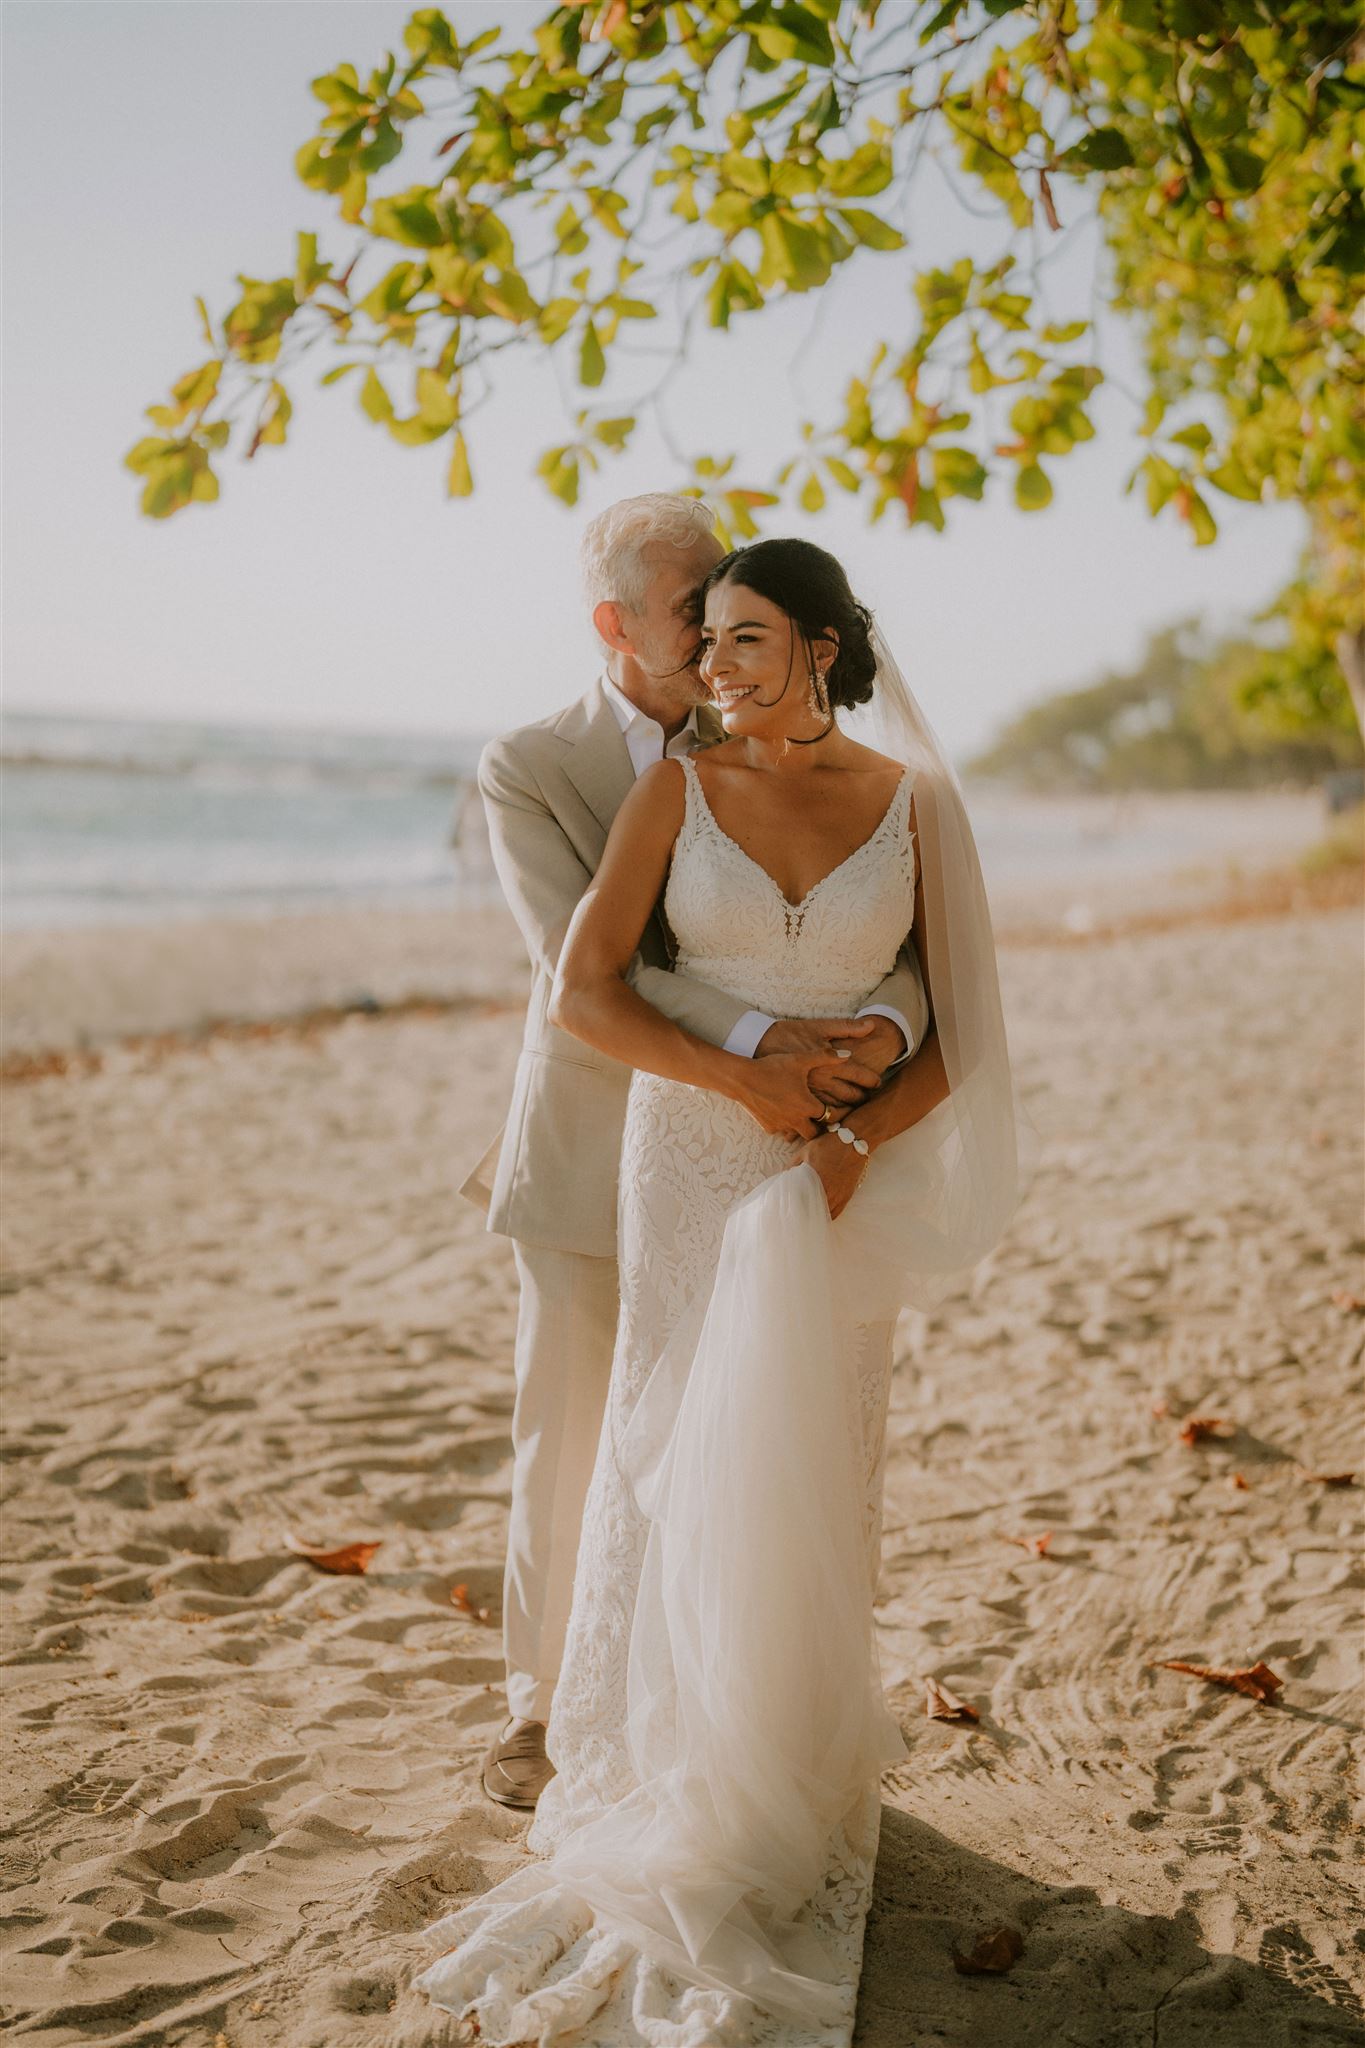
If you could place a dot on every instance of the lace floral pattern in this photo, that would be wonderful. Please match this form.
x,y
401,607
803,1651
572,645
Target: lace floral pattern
x,y
530,1963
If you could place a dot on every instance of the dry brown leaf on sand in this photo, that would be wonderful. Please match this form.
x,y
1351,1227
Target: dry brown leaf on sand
x,y
1037,1544
942,1705
350,1558
1197,1429
1257,1681
1330,1478
1239,1483
1349,1304
459,1597
992,1955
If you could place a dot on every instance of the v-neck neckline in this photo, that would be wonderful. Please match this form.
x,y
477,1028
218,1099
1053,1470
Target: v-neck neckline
x,y
815,887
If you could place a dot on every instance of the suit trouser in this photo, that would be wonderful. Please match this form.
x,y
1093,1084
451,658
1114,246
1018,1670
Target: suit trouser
x,y
566,1334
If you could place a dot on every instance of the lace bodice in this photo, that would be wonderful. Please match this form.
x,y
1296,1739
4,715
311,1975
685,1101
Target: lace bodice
x,y
734,928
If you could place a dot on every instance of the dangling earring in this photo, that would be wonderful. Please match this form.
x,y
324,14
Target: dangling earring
x,y
819,696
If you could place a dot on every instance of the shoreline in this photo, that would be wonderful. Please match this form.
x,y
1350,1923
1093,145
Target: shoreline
x,y
409,970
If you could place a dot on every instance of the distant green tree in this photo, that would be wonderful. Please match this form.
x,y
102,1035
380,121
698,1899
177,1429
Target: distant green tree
x,y
1178,720
699,160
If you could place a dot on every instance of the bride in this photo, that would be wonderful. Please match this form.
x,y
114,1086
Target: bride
x,y
705,1851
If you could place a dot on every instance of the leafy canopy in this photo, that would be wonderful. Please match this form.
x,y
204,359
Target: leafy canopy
x,y
691,163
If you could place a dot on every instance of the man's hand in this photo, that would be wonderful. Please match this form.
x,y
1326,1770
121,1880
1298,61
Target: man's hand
x,y
839,1081
878,1043
779,1091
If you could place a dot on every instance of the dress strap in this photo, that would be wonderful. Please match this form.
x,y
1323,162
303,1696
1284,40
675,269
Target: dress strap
x,y
906,840
694,797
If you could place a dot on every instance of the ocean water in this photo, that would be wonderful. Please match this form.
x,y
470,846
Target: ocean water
x,y
120,820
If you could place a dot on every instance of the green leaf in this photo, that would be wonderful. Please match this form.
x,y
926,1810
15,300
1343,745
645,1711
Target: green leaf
x,y
509,297
791,32
407,217
745,173
812,496
846,478
871,230
319,168
948,12
614,433
606,208
385,146
276,421
928,510
794,253
1104,149
730,212
459,476
957,473
555,318
339,89
1244,168
1265,326
559,467
374,398
569,233
415,432
1032,489
592,364
144,456
1163,481
193,391
862,175
437,405
1202,523
1234,482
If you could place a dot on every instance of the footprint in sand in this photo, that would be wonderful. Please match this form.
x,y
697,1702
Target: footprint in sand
x,y
1286,1953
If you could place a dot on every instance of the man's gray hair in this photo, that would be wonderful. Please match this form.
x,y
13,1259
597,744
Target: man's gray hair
x,y
614,557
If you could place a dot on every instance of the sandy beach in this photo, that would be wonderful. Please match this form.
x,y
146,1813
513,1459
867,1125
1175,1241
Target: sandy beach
x,y
246,1307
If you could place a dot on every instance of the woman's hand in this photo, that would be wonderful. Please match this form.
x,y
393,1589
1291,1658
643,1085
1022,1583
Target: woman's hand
x,y
779,1093
839,1166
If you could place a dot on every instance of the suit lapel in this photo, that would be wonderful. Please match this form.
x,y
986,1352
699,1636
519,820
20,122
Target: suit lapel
x,y
598,761
710,727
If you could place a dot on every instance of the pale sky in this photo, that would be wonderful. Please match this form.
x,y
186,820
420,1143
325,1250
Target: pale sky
x,y
148,156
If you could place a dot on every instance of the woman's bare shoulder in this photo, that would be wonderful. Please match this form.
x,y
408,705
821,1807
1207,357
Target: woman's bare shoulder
x,y
658,794
868,761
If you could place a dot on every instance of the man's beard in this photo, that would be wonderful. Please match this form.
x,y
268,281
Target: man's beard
x,y
682,679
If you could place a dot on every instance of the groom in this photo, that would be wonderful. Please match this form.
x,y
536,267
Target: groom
x,y
548,1181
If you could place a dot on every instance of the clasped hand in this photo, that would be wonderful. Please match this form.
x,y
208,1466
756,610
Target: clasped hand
x,y
804,1064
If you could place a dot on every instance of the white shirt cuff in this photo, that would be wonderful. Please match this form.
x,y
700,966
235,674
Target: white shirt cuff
x,y
748,1033
885,1010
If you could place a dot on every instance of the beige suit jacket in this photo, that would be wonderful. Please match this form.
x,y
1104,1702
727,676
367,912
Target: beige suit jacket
x,y
551,791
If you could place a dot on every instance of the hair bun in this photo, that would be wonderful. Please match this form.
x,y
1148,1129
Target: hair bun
x,y
854,668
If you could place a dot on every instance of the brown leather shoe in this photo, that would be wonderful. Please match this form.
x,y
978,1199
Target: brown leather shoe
x,y
516,1769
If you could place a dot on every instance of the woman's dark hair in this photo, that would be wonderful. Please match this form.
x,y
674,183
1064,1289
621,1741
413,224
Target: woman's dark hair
x,y
812,589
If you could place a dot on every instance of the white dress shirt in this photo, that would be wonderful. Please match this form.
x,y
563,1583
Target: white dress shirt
x,y
645,745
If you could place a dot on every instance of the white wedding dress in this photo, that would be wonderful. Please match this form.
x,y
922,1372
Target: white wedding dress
x,y
655,1907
